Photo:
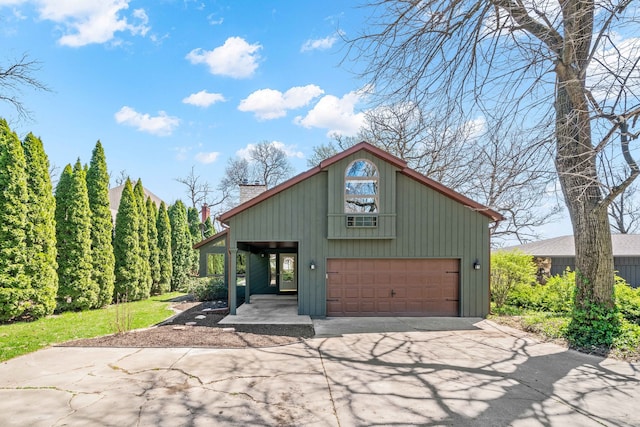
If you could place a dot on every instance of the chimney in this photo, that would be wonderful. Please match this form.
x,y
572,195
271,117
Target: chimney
x,y
249,191
205,212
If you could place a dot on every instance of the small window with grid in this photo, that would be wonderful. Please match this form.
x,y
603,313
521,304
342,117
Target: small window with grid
x,y
362,221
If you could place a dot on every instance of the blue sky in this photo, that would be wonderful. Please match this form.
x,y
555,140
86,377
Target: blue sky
x,y
170,84
167,85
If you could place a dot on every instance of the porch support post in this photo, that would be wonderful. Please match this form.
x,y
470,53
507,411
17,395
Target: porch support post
x,y
247,279
233,279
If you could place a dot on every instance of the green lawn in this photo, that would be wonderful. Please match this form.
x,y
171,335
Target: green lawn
x,y
24,337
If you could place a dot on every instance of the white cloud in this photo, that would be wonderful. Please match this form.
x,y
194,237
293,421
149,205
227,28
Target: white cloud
x,y
86,22
289,150
203,99
476,128
269,104
207,158
319,44
213,21
235,58
161,125
335,114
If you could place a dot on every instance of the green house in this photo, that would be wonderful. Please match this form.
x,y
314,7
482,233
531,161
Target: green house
x,y
361,234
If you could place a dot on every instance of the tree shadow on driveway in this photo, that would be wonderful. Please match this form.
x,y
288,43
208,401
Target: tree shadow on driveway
x,y
481,377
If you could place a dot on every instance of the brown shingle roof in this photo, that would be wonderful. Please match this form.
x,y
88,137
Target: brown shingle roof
x,y
383,155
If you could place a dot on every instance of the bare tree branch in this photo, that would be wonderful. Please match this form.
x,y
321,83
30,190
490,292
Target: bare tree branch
x,y
14,77
553,67
197,190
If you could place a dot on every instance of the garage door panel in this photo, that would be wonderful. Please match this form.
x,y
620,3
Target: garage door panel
x,y
383,307
400,293
351,292
382,279
351,279
334,306
368,292
383,292
415,292
393,287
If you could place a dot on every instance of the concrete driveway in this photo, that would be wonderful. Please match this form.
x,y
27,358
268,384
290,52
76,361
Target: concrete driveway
x,y
488,375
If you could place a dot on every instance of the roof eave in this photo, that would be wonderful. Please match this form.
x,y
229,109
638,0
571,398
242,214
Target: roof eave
x,y
383,155
210,239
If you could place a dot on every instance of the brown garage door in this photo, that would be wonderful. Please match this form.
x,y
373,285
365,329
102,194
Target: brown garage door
x,y
393,287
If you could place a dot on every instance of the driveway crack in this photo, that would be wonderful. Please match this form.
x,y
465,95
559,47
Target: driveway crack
x,y
326,377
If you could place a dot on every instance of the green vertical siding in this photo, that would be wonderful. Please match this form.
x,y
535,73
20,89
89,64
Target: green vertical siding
x,y
260,275
430,225
298,214
427,225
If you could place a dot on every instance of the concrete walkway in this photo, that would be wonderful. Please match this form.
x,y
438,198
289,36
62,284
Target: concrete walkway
x,y
484,376
268,310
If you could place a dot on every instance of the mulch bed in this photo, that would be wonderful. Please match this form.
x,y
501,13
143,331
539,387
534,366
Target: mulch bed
x,y
196,325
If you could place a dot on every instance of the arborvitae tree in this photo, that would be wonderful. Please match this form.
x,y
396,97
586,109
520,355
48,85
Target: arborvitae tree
x,y
180,246
41,251
101,226
143,240
164,250
15,292
193,218
76,289
154,255
126,247
209,229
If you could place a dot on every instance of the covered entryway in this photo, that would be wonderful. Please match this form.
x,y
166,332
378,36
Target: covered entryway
x,y
393,287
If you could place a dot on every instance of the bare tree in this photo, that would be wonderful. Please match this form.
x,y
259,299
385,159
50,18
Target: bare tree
x,y
429,143
236,173
511,175
54,174
19,73
198,190
121,178
540,63
624,211
270,164
494,165
322,152
266,165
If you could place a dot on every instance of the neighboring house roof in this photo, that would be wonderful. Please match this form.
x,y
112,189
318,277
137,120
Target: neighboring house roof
x,y
383,155
623,245
115,194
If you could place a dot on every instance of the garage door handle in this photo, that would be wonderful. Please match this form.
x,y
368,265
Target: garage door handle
x,y
450,299
333,300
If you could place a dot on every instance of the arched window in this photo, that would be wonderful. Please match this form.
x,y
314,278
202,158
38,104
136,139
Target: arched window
x,y
361,194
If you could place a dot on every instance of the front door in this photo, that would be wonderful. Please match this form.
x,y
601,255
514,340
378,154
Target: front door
x,y
288,278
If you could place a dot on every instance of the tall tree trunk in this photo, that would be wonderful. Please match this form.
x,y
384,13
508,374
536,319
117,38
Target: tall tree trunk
x,y
576,165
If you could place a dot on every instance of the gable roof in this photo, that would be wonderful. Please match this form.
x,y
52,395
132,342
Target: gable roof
x,y
381,154
564,246
115,194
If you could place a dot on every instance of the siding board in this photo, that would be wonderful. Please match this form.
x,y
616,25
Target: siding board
x,y
426,225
